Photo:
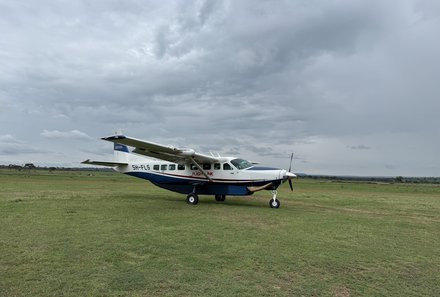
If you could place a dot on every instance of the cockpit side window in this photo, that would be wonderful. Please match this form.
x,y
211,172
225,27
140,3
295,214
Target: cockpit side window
x,y
226,166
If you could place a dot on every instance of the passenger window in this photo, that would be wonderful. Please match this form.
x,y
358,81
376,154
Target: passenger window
x,y
226,166
172,167
206,166
217,166
156,167
180,167
193,167
163,167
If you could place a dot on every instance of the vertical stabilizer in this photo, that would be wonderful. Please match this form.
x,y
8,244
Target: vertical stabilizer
x,y
121,153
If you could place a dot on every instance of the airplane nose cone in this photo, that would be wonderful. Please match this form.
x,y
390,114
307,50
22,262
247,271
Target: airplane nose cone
x,y
284,174
290,175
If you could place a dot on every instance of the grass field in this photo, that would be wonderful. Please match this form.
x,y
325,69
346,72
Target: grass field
x,y
70,234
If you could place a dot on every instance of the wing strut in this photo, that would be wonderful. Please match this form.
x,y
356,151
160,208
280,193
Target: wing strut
x,y
256,189
201,169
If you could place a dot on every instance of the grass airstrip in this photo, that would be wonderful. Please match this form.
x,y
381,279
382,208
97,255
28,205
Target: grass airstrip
x,y
71,234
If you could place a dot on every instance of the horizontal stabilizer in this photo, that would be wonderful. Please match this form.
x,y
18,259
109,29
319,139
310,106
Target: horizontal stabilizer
x,y
103,163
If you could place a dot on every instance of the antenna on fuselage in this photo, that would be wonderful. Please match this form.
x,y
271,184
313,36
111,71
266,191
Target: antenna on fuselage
x,y
216,155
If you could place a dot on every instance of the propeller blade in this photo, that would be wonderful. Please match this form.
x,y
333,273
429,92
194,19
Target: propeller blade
x,y
291,158
290,184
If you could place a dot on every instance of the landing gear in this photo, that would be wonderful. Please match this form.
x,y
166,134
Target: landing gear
x,y
192,198
220,198
274,202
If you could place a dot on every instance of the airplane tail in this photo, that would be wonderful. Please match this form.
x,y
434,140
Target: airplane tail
x,y
121,153
122,156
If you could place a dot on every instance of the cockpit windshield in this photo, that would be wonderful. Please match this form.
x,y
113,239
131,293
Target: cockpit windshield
x,y
241,164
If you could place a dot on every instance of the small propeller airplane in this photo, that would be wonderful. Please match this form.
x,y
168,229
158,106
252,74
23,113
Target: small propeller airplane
x,y
185,171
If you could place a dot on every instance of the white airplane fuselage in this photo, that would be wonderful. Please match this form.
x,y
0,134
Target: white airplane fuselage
x,y
226,179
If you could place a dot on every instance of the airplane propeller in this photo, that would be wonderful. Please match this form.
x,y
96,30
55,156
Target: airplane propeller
x,y
290,168
288,175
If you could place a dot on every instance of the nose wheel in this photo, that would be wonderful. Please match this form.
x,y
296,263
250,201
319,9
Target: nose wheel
x,y
192,199
274,202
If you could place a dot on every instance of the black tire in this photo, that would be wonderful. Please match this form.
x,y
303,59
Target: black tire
x,y
192,199
274,203
220,198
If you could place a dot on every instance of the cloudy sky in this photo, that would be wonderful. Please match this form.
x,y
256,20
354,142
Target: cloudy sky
x,y
350,86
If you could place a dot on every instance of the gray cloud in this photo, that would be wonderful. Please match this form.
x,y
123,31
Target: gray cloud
x,y
10,146
261,79
55,134
359,147
9,139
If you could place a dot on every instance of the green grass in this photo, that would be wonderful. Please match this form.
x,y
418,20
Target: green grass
x,y
70,234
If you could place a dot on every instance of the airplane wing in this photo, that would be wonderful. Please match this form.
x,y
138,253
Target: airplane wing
x,y
103,163
163,152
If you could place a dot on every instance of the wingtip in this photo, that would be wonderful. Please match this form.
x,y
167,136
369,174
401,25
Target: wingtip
x,y
114,137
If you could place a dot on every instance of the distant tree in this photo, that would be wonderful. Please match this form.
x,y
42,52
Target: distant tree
x,y
29,166
16,167
398,179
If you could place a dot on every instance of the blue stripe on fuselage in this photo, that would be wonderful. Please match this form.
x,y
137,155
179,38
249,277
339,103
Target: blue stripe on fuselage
x,y
186,185
208,189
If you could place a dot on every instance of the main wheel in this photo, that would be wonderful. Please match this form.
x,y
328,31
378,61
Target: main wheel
x,y
274,203
192,199
220,198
